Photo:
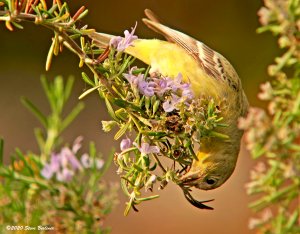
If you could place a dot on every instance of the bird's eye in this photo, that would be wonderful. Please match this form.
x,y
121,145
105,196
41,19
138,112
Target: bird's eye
x,y
210,181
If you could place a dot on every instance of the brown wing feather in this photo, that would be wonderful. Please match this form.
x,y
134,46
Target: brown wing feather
x,y
205,56
151,15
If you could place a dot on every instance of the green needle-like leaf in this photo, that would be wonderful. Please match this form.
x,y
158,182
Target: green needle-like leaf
x,y
68,88
87,79
122,130
38,114
88,92
110,109
72,115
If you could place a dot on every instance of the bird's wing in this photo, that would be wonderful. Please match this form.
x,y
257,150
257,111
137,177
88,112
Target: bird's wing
x,y
207,58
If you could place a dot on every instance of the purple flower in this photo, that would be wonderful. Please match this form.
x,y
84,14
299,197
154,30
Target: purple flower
x,y
77,144
99,163
52,167
88,162
121,43
164,85
47,172
146,88
133,79
138,81
65,163
64,175
170,104
125,144
177,82
62,164
146,148
187,91
68,157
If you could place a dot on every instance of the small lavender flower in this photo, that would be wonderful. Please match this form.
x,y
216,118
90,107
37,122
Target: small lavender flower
x,y
48,171
139,82
51,168
121,43
170,104
99,163
77,144
146,88
86,161
163,85
177,82
62,164
133,79
187,91
65,175
147,149
65,163
68,157
125,144
166,84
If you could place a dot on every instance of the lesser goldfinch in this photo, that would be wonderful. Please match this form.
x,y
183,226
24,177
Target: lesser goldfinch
x,y
210,75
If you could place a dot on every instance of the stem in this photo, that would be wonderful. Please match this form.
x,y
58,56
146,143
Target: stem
x,y
101,80
70,43
159,163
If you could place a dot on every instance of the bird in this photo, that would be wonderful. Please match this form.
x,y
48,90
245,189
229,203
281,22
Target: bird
x,y
210,74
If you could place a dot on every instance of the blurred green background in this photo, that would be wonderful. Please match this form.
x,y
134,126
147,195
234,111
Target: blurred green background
x,y
226,26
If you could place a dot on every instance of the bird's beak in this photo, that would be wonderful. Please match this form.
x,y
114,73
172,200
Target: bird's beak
x,y
190,179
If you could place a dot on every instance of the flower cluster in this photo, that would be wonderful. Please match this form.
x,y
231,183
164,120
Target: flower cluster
x,y
65,163
121,43
145,148
78,199
173,90
167,118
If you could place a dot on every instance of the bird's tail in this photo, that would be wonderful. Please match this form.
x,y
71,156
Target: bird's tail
x,y
154,24
101,39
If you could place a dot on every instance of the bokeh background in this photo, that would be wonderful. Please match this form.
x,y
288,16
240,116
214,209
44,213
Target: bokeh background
x,y
226,26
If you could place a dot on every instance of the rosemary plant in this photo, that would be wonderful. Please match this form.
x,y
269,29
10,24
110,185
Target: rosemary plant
x,y
156,117
273,135
55,189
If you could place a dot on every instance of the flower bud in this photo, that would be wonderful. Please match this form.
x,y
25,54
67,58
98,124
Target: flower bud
x,y
125,144
108,125
156,106
147,102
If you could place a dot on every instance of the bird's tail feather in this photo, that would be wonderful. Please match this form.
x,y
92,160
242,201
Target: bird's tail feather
x,y
154,24
101,39
170,34
151,16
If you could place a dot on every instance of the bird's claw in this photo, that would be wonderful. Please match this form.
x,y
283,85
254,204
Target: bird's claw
x,y
198,204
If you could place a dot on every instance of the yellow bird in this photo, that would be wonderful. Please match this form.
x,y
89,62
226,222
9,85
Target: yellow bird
x,y
211,75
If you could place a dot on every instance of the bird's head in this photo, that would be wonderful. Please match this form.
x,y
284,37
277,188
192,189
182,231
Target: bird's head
x,y
210,171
